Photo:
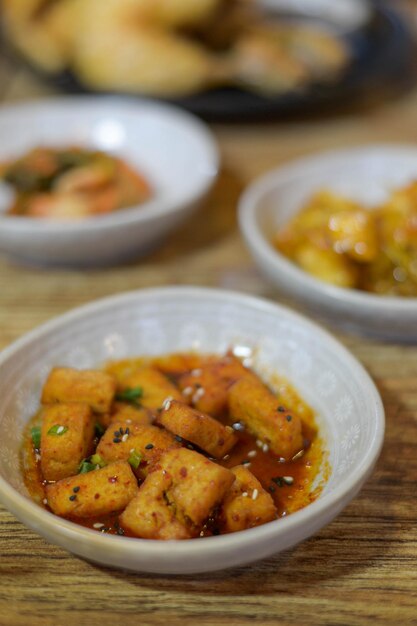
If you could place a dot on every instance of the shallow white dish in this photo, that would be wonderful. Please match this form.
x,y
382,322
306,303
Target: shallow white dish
x,y
367,174
174,150
155,321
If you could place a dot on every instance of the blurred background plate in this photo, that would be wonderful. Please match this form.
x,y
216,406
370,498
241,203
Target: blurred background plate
x,y
382,51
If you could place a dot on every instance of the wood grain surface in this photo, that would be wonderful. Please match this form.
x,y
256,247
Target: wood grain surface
x,y
360,569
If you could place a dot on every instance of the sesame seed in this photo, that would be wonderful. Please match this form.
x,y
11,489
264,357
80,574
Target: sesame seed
x,y
98,525
265,447
125,437
254,494
167,403
298,455
198,394
238,426
45,501
60,430
246,463
187,391
226,456
245,494
288,480
202,533
149,446
196,372
252,453
259,443
281,459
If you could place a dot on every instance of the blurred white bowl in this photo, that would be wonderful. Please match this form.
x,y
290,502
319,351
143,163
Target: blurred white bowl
x,y
156,321
344,15
174,150
367,174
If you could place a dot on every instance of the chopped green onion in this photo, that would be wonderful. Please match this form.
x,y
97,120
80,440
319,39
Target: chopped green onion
x,y
85,467
131,395
58,430
96,459
99,429
135,459
91,463
36,436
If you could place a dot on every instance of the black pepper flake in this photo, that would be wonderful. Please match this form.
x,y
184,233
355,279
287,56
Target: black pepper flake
x,y
72,498
271,488
117,433
190,447
127,431
178,438
149,446
76,489
281,409
278,481
116,440
120,531
289,418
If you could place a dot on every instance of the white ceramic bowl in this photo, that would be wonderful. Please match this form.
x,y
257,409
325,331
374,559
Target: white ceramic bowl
x,y
367,174
174,150
155,321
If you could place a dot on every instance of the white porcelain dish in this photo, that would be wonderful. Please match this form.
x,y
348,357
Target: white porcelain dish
x,y
344,15
367,174
174,150
155,321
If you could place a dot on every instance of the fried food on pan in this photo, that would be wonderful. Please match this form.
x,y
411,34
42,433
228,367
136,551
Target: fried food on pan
x,y
42,32
115,50
279,58
172,48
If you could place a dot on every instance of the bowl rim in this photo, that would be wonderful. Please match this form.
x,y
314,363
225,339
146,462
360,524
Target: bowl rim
x,y
251,201
40,518
152,209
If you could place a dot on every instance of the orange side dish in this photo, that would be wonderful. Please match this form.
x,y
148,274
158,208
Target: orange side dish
x,y
348,245
72,183
169,470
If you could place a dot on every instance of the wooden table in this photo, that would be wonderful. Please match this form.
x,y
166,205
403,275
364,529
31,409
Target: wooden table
x,y
362,568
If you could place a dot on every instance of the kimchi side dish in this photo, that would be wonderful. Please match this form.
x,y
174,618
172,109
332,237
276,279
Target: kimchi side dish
x,y
72,183
173,447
